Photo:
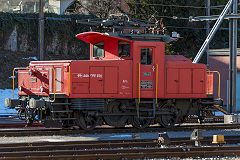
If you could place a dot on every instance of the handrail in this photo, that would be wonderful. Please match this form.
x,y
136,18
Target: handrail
x,y
54,83
139,83
156,81
69,80
219,79
14,69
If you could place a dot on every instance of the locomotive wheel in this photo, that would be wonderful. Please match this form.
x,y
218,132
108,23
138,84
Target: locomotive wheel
x,y
140,123
85,121
116,107
168,120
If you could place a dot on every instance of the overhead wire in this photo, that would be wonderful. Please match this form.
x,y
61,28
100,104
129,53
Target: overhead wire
x,y
179,6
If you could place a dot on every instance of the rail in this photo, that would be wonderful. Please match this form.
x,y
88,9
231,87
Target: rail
x,y
14,77
117,149
219,79
105,129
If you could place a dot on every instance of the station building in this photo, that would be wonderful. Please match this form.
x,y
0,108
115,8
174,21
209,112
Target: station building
x,y
219,61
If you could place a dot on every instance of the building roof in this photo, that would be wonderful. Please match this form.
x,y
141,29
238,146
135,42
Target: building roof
x,y
221,52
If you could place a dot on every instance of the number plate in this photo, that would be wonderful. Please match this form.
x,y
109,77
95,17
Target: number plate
x,y
33,79
147,84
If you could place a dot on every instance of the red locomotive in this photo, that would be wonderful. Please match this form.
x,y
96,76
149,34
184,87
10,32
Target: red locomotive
x,y
128,80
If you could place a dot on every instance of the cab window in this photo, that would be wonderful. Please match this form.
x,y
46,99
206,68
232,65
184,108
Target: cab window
x,y
123,49
146,56
98,50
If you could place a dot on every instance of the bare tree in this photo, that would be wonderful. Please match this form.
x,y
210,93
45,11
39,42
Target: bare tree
x,y
101,8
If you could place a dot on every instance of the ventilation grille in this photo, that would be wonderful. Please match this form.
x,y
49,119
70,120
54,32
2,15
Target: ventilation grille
x,y
87,104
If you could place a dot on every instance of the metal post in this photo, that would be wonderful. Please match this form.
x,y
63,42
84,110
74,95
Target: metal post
x,y
230,66
41,31
8,6
235,29
208,26
21,7
35,7
234,56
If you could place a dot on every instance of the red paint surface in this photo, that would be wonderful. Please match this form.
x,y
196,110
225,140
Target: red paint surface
x,y
115,77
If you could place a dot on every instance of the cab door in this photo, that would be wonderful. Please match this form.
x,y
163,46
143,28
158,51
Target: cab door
x,y
147,72
96,79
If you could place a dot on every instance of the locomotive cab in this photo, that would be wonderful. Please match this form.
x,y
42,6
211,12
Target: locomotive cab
x,y
147,58
105,47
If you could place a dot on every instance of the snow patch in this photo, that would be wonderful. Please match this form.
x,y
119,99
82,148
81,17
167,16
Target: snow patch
x,y
7,93
34,58
122,136
12,77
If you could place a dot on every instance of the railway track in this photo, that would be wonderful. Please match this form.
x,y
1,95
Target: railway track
x,y
117,149
38,131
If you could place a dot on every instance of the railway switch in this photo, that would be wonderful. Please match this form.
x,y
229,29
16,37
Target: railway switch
x,y
163,139
196,136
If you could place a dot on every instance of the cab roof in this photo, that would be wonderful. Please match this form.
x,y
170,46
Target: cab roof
x,y
94,37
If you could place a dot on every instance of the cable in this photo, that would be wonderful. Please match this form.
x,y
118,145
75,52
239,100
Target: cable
x,y
185,28
179,6
169,17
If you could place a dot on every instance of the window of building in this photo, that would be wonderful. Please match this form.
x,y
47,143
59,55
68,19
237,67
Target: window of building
x,y
146,56
98,50
123,49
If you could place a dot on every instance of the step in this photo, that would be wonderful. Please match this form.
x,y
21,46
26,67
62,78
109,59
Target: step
x,y
61,111
145,109
146,102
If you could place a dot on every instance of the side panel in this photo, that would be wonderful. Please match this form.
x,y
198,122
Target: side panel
x,y
185,81
80,87
38,78
209,83
101,79
30,84
111,80
80,80
96,79
198,81
172,81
